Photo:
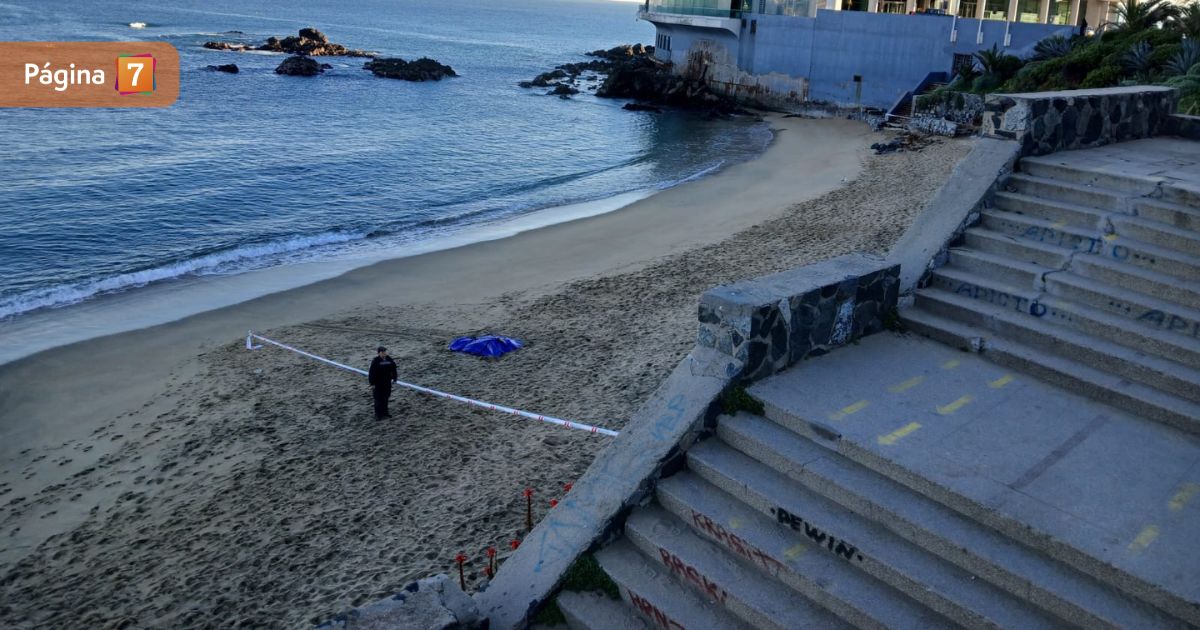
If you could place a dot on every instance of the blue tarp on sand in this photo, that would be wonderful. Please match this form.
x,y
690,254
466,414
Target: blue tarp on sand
x,y
485,346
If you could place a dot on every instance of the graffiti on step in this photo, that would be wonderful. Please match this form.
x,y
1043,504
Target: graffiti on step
x,y
650,610
1094,245
734,543
1002,299
686,571
838,547
1172,323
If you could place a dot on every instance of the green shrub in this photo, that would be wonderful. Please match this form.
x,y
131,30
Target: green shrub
x,y
737,399
1106,76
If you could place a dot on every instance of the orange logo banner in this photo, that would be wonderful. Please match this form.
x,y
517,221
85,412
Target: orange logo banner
x,y
88,74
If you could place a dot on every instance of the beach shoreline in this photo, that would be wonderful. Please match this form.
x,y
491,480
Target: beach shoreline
x,y
153,455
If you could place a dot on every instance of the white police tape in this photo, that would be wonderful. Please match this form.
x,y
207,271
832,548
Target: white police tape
x,y
250,336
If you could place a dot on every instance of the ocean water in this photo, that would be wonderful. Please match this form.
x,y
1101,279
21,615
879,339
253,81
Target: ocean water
x,y
257,170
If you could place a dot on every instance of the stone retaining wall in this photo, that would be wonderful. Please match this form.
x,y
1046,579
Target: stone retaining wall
x,y
772,322
1045,122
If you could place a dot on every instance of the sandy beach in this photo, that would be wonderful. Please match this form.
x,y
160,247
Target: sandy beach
x,y
168,477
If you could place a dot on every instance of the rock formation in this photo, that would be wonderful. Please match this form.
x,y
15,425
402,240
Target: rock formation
x,y
423,69
225,67
309,41
300,66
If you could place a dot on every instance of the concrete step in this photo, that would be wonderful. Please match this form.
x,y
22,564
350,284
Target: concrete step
x,y
1149,231
943,587
1098,385
718,575
1050,210
1119,325
1046,237
658,597
1053,167
1121,221
1182,193
595,611
1057,190
1163,211
1157,287
778,551
1073,597
1061,338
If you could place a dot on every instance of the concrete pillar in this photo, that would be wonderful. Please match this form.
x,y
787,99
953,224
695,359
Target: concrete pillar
x,y
1011,16
1073,14
872,6
910,6
952,7
836,5
980,7
1043,11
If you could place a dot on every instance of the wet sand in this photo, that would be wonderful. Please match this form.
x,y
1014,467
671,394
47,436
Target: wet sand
x,y
169,477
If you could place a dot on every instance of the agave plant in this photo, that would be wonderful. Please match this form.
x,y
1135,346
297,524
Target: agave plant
x,y
1139,15
1137,63
1051,48
1187,56
1189,90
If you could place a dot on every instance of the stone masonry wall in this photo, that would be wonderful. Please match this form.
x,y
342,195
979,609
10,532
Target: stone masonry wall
x,y
1045,122
772,322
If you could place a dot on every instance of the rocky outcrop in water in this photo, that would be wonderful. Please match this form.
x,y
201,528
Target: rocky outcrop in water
x,y
632,72
299,66
309,41
231,68
423,69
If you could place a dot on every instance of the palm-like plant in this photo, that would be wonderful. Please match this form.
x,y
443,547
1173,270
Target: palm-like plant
x,y
1139,15
1137,63
1187,20
990,60
1052,48
1187,56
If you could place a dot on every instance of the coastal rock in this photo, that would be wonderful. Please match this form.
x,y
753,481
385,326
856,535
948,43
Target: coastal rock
x,y
632,72
227,46
225,67
299,66
563,90
309,41
642,107
423,69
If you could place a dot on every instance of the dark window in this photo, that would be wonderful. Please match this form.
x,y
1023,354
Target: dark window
x,y
858,78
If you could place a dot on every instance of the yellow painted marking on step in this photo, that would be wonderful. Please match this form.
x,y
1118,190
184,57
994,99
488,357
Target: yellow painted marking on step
x,y
852,408
795,551
946,410
1184,495
1110,237
1145,538
1059,224
912,382
735,522
1001,382
903,431
950,365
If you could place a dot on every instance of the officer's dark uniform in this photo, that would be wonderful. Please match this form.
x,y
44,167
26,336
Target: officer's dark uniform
x,y
381,375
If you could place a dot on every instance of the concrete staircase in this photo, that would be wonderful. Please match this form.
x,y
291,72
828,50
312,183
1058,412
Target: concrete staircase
x,y
1088,280
769,529
904,484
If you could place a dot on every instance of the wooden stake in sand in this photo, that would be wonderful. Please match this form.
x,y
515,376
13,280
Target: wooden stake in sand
x,y
528,509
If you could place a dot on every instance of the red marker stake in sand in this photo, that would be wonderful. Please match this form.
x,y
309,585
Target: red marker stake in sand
x,y
250,345
491,568
462,580
528,509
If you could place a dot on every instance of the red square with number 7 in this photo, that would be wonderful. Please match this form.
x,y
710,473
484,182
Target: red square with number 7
x,y
135,74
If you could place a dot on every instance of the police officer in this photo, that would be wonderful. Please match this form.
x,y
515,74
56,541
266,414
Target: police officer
x,y
381,376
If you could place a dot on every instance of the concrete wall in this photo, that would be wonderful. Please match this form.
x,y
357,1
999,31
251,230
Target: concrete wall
x,y
1045,122
781,60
